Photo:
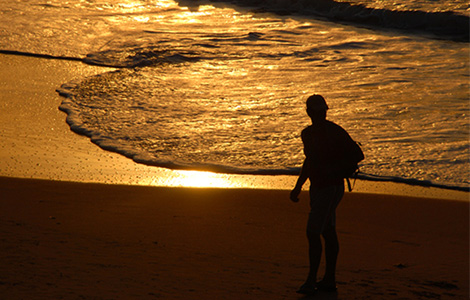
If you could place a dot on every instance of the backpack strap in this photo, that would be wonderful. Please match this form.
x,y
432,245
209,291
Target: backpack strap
x,y
349,184
351,187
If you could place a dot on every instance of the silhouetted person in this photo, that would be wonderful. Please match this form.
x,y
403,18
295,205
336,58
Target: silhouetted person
x,y
327,147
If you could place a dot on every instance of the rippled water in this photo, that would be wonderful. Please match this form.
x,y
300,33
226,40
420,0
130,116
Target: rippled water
x,y
211,87
458,6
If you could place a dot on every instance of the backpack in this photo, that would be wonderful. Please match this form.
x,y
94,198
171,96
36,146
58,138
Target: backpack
x,y
343,153
349,168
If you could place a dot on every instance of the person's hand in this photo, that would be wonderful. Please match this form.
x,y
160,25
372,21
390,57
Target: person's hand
x,y
294,195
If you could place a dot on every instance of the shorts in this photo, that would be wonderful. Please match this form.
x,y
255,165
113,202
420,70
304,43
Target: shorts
x,y
323,203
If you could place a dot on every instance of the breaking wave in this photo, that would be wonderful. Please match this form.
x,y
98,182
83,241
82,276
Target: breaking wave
x,y
445,25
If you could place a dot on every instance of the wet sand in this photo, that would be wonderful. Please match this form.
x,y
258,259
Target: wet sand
x,y
36,142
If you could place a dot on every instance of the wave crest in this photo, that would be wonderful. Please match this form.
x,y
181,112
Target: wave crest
x,y
445,25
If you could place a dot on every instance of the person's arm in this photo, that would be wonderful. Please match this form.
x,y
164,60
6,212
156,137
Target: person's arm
x,y
294,194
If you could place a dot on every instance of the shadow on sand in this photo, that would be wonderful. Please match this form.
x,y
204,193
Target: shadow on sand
x,y
320,296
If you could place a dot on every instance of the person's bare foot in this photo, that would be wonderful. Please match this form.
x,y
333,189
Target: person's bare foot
x,y
308,288
327,286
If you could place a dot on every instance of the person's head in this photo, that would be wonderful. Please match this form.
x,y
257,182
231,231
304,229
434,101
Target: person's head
x,y
316,107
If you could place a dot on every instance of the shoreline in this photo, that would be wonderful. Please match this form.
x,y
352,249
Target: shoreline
x,y
36,142
88,223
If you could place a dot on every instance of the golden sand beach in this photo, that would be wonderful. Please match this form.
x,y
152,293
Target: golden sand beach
x,y
64,240
78,222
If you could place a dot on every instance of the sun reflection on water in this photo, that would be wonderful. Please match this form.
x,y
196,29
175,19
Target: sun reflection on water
x,y
200,179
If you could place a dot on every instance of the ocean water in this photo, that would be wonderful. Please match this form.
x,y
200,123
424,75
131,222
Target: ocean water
x,y
222,87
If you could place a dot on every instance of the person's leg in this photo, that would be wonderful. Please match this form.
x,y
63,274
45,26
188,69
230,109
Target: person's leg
x,y
331,244
331,255
316,219
314,251
323,202
314,255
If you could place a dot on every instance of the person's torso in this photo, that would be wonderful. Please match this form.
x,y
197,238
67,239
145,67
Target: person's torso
x,y
323,147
